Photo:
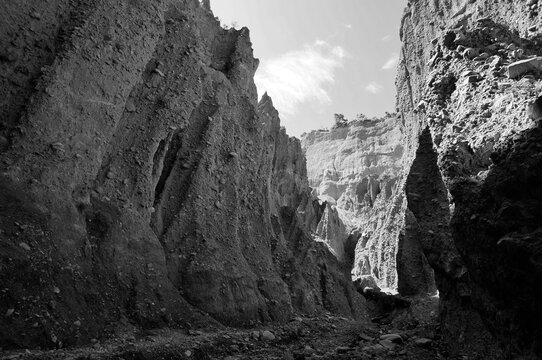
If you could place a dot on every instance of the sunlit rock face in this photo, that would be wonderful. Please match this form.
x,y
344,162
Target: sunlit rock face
x,y
142,182
359,171
468,87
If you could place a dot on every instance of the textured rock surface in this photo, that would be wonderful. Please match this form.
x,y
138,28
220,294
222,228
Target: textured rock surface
x,y
141,181
346,163
473,141
466,198
359,169
332,231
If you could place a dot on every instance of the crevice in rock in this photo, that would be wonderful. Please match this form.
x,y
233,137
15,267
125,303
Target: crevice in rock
x,y
323,285
164,160
181,158
158,156
350,248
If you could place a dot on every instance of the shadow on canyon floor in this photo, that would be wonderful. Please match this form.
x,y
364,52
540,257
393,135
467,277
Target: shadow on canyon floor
x,y
406,333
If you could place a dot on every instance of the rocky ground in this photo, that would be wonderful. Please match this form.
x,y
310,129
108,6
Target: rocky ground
x,y
402,334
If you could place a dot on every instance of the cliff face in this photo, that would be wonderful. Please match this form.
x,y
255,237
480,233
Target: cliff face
x,y
342,157
469,85
359,169
141,180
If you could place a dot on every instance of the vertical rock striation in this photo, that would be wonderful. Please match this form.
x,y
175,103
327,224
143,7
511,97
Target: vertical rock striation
x,y
141,181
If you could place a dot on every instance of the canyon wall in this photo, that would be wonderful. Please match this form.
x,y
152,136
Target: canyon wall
x,y
141,181
358,170
468,87
462,194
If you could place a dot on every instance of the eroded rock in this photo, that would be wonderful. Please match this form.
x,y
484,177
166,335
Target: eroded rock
x,y
518,68
357,168
150,184
468,145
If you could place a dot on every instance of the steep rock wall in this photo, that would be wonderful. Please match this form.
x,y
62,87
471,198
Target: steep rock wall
x,y
141,181
359,169
473,143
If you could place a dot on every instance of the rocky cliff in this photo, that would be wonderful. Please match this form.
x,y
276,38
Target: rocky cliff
x,y
461,194
468,87
358,170
141,181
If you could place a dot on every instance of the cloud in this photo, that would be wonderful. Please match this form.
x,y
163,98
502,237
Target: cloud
x,y
320,43
387,38
374,87
392,62
300,76
348,26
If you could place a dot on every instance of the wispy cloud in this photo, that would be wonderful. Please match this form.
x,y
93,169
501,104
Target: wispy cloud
x,y
348,26
392,62
373,87
300,76
387,38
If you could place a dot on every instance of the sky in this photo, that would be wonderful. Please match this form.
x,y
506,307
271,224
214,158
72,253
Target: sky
x,y
321,57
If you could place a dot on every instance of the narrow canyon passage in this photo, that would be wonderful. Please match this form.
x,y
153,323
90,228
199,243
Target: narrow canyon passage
x,y
153,206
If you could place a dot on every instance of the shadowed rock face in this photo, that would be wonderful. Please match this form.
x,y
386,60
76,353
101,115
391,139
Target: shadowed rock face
x,y
141,181
473,142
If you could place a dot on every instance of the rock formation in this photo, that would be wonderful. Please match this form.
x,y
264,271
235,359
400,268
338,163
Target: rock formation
x,y
141,181
468,87
464,188
359,170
